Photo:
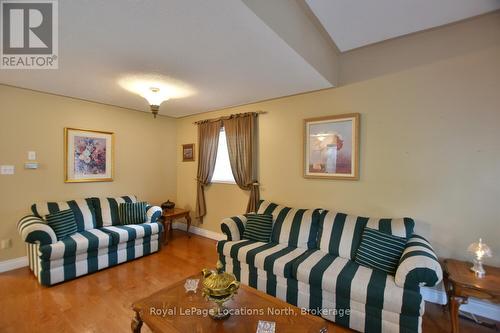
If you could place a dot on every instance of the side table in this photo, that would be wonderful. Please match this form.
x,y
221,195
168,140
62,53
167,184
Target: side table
x,y
169,216
461,283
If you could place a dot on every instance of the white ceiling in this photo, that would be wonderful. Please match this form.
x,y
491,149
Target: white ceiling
x,y
221,49
355,23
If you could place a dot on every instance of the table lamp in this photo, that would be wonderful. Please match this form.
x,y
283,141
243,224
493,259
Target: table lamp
x,y
479,251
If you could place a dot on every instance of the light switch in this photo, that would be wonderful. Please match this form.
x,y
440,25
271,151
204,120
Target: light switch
x,y
32,155
7,169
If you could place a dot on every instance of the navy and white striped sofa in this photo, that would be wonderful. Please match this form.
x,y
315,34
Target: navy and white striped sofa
x,y
310,263
99,243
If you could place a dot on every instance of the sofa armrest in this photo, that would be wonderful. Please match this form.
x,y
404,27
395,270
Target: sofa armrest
x,y
153,214
419,265
233,227
35,230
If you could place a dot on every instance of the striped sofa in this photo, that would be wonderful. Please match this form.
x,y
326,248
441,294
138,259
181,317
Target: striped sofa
x,y
309,262
99,243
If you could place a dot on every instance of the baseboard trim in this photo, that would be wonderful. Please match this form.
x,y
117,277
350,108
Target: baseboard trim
x,y
8,265
199,231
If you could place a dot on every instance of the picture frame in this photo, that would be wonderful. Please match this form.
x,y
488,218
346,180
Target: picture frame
x,y
188,152
88,155
331,147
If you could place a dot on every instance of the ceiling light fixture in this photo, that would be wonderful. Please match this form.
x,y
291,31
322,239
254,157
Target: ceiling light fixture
x,y
154,98
155,88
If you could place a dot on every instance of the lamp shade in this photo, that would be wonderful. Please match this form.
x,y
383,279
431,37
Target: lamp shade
x,y
155,96
480,250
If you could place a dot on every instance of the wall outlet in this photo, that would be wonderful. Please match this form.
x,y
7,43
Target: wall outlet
x,y
5,243
32,156
7,169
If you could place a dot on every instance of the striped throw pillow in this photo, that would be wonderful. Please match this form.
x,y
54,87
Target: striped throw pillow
x,y
63,223
132,213
258,227
381,251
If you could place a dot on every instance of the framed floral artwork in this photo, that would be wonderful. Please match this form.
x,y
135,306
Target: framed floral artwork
x,y
188,152
331,147
89,155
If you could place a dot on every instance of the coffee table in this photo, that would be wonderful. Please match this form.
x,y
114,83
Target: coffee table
x,y
173,310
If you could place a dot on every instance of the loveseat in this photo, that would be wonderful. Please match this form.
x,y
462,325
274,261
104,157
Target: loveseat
x,y
309,262
100,241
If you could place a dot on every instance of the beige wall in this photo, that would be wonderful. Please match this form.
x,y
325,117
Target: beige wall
x,y
430,139
144,162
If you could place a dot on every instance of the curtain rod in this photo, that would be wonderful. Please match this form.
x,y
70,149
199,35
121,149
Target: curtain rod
x,y
228,117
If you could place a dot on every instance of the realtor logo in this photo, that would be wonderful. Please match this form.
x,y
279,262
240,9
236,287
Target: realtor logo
x,y
29,34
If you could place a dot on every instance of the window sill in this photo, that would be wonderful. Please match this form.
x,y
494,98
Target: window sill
x,y
227,182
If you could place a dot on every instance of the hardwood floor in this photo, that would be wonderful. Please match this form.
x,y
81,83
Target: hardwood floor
x,y
100,302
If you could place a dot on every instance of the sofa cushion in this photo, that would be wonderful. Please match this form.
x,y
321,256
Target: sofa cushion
x,y
293,227
271,257
340,234
106,209
379,250
348,280
126,233
81,242
83,209
258,227
400,227
63,223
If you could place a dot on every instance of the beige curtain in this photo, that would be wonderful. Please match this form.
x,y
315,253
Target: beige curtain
x,y
208,140
241,136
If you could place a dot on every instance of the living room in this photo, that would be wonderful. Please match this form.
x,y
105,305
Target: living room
x,y
284,132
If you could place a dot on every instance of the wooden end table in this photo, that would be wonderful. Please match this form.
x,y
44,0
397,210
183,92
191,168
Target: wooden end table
x,y
461,283
169,216
173,310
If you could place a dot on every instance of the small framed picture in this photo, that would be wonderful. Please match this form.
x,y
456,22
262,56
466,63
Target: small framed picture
x,y
188,152
89,155
331,147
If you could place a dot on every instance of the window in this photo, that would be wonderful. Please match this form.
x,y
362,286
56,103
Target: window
x,y
222,172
